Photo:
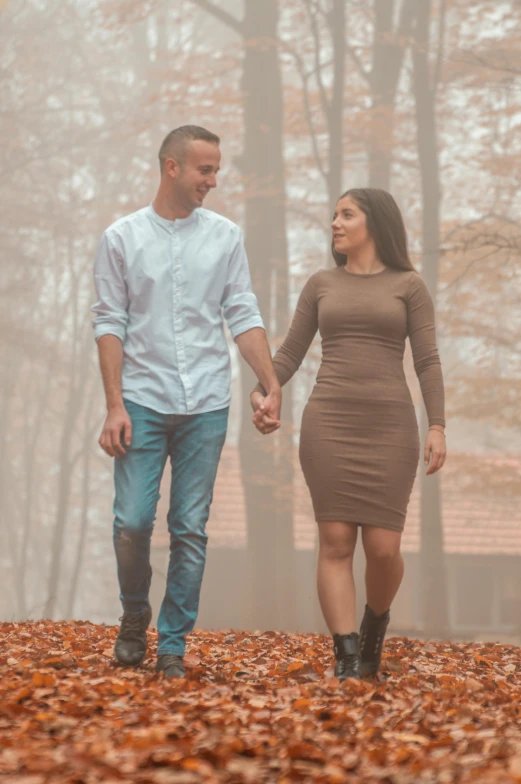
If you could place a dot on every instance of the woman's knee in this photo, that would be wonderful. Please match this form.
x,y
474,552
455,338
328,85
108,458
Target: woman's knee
x,y
337,541
382,546
383,557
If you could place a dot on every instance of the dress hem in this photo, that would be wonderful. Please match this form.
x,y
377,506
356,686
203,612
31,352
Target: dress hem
x,y
398,529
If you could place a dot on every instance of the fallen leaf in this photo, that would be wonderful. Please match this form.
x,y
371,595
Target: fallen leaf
x,y
472,685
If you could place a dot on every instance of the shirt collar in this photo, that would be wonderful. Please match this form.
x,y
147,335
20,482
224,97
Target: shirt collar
x,y
169,224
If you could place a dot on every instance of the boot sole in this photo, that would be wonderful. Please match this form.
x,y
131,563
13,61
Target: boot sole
x,y
369,669
171,676
129,664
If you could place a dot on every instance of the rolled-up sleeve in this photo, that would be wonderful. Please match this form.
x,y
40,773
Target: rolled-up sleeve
x,y
239,303
111,309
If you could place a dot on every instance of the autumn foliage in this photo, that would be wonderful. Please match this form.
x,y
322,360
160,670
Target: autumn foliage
x,y
254,707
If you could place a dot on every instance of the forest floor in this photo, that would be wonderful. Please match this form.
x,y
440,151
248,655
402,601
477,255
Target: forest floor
x,y
254,707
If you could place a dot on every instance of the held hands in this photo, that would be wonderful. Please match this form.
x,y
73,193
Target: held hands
x,y
266,416
435,450
116,433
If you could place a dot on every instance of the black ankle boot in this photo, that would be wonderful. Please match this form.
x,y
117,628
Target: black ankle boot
x,y
347,655
372,634
131,643
171,666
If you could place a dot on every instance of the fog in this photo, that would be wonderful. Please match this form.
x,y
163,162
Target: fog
x,y
309,97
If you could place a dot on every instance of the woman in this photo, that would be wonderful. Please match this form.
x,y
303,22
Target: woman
x,y
359,445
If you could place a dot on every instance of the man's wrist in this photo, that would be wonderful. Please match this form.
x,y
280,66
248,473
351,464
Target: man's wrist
x,y
273,388
116,404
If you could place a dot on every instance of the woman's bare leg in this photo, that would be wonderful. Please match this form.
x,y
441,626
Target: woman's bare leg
x,y
384,566
336,587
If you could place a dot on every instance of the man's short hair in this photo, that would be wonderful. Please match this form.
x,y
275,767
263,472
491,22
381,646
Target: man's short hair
x,y
176,142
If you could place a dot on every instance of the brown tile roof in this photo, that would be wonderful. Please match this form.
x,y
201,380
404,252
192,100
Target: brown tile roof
x,y
481,502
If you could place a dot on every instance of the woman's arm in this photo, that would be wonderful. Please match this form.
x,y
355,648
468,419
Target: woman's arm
x,y
422,335
290,355
303,329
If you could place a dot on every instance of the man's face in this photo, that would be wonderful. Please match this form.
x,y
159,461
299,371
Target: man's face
x,y
198,173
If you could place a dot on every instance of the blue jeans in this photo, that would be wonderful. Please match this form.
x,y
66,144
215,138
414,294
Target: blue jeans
x,y
194,443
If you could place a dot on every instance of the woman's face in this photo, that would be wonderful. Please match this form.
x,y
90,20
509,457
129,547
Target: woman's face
x,y
349,226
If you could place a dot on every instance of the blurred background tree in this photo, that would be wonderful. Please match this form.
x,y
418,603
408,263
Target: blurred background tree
x,y
310,97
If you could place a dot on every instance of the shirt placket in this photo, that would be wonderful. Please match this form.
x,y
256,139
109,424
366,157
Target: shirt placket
x,y
179,332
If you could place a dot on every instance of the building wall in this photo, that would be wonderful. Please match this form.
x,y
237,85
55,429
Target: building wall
x,y
484,594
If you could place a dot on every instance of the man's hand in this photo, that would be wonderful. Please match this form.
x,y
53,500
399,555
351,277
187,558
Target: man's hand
x,y
117,432
254,348
266,417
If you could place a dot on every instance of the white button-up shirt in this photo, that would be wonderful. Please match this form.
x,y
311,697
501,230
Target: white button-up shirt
x,y
163,288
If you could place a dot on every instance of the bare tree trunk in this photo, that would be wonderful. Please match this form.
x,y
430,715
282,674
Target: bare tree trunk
x,y
389,45
335,107
432,558
266,464
30,474
78,371
86,453
10,373
267,476
332,101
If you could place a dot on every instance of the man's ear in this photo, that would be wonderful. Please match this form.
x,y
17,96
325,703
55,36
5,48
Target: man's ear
x,y
172,168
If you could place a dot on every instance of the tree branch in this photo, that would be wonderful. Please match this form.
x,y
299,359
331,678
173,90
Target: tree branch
x,y
307,109
316,35
308,216
365,74
441,41
223,16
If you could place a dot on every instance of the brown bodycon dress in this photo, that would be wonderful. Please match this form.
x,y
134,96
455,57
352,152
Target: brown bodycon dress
x,y
359,445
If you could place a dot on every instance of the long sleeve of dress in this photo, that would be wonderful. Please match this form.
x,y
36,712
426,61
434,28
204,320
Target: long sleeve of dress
x,y
303,329
422,335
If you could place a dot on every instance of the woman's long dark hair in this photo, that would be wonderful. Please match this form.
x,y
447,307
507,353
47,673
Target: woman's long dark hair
x,y
385,226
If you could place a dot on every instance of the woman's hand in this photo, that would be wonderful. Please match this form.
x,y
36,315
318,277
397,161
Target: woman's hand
x,y
264,416
435,450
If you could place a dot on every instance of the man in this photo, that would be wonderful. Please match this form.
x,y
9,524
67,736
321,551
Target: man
x,y
165,276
